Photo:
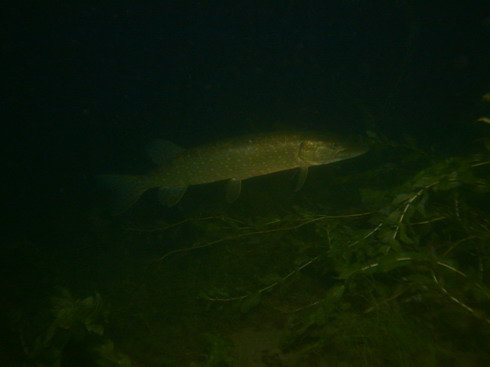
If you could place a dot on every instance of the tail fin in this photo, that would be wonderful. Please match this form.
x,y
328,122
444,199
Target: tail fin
x,y
128,189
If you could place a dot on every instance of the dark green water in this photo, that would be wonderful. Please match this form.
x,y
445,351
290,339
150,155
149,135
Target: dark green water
x,y
381,260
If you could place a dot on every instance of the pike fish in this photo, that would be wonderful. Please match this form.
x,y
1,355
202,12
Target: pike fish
x,y
234,160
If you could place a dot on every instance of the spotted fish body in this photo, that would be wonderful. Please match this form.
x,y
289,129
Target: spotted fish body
x,y
235,160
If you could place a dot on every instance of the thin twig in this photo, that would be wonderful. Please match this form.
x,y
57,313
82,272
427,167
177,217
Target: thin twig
x,y
254,233
457,301
266,288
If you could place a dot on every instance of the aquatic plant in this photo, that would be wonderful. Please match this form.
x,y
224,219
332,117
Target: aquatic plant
x,y
74,334
401,282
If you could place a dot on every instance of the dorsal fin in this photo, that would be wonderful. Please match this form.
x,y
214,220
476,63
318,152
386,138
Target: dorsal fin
x,y
161,151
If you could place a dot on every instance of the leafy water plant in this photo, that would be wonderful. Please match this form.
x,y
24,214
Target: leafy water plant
x,y
75,335
403,280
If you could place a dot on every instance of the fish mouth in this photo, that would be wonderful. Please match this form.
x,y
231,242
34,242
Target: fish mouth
x,y
361,150
356,146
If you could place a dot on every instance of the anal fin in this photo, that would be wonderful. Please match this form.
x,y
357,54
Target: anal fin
x,y
171,196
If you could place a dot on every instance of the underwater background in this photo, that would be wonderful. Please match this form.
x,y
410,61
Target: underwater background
x,y
381,260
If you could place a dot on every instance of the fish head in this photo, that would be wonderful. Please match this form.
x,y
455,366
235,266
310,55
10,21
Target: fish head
x,y
328,149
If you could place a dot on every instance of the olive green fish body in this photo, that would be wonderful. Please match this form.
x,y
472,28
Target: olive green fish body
x,y
239,158
234,159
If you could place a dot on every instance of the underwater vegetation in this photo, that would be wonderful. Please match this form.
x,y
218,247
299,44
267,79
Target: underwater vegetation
x,y
404,281
391,268
73,335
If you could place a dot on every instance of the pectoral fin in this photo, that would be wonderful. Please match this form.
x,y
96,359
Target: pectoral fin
x,y
170,196
233,189
302,174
